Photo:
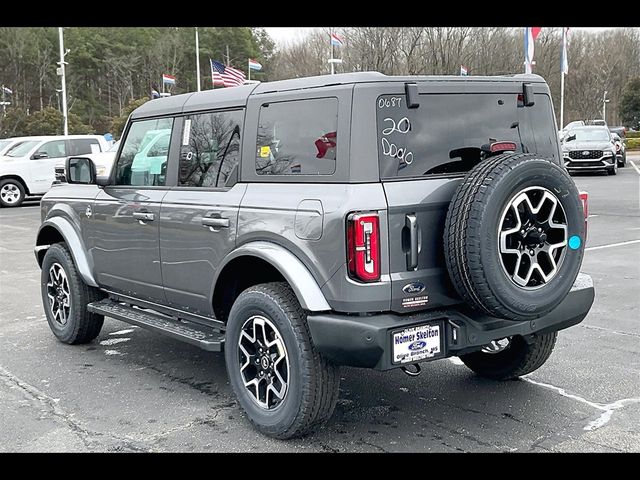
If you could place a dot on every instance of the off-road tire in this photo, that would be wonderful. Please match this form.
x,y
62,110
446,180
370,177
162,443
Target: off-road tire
x,y
471,236
518,359
313,381
82,326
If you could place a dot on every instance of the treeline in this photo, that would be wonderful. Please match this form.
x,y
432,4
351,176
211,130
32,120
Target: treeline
x,y
109,67
598,61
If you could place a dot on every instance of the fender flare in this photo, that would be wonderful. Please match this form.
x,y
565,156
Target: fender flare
x,y
292,269
76,246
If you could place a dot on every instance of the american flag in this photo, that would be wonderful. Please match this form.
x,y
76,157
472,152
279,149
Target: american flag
x,y
226,76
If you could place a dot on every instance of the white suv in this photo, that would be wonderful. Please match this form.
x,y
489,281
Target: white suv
x,y
28,167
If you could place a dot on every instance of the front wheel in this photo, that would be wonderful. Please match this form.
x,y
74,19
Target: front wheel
x,y
65,297
613,170
623,162
11,193
281,381
511,357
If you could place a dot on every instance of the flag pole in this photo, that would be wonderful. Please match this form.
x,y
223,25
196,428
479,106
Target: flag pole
x,y
527,66
562,101
562,63
333,68
197,60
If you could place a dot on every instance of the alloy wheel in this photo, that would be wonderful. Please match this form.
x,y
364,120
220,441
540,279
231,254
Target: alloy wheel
x,y
533,237
10,193
59,294
264,363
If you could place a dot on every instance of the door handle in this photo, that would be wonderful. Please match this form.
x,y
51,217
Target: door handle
x,y
411,222
144,216
215,222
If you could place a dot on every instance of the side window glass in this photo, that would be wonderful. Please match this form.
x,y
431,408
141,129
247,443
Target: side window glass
x,y
83,146
298,137
55,149
210,149
143,160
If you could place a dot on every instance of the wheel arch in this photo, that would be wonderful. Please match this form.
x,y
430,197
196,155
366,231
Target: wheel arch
x,y
19,179
269,262
59,229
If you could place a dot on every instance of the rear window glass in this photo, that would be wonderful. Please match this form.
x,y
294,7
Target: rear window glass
x,y
446,132
82,146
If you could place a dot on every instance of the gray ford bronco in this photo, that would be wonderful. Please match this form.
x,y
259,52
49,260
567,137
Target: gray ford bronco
x,y
299,225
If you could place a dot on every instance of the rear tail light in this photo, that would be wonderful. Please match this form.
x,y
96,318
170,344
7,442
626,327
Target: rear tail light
x,y
584,198
502,146
363,246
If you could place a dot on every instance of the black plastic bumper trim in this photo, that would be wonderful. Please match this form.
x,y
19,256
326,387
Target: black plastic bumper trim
x,y
363,341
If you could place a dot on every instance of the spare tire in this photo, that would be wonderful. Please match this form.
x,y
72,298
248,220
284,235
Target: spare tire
x,y
514,236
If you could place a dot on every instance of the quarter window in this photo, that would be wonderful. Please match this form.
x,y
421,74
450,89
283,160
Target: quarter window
x,y
298,137
210,149
143,160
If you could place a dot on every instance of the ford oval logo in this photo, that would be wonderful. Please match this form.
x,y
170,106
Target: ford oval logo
x,y
417,345
415,287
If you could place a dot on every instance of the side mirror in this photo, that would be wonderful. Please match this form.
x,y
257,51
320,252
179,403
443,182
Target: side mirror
x,y
80,170
39,155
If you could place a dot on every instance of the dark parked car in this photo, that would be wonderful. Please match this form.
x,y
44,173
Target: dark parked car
x,y
356,219
589,148
621,150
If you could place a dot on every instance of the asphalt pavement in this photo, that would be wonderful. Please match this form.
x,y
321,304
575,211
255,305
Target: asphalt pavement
x,y
133,390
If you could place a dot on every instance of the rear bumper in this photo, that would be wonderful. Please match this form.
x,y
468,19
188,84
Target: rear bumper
x,y
366,341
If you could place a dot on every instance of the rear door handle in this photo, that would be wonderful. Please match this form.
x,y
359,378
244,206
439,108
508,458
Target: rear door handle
x,y
215,222
144,216
411,222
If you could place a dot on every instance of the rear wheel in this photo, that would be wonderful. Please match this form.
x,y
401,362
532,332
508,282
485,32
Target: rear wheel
x,y
284,385
511,357
11,193
65,297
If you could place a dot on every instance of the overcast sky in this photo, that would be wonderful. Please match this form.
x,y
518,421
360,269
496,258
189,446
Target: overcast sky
x,y
284,35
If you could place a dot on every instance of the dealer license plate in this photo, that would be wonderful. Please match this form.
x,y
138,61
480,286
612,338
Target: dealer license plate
x,y
416,343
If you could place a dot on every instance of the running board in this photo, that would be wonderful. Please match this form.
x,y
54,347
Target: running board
x,y
207,338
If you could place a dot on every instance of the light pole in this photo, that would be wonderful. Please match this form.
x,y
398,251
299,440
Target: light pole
x,y
61,72
197,60
605,100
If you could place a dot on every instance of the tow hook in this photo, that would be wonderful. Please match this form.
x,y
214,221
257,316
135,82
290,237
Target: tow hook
x,y
412,373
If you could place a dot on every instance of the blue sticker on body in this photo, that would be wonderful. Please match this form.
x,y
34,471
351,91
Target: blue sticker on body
x,y
574,242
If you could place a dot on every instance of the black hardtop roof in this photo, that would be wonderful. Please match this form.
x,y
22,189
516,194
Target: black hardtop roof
x,y
237,96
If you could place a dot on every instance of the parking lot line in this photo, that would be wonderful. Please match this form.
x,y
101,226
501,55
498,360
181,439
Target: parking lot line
x,y
629,242
635,167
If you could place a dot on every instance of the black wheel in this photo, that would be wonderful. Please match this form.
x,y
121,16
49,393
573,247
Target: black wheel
x,y
283,384
513,236
613,170
511,357
11,193
65,297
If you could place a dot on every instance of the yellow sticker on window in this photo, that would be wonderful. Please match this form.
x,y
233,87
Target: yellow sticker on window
x,y
265,151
